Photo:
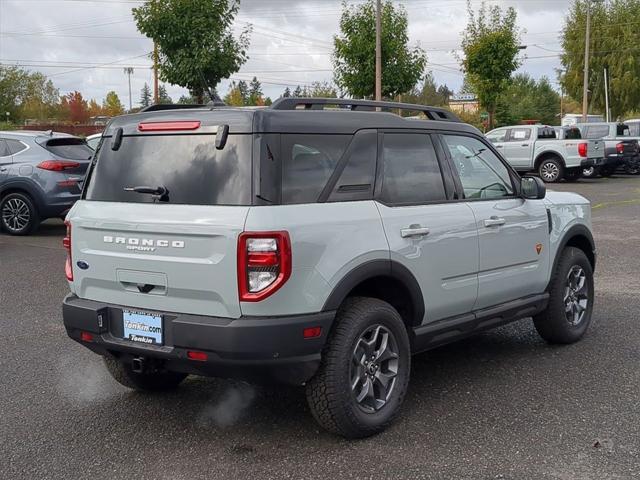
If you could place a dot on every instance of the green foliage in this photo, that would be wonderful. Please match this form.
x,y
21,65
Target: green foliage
x,y
429,93
145,96
526,99
26,94
4,126
240,94
197,47
490,44
354,51
614,43
112,105
163,96
286,93
298,92
255,92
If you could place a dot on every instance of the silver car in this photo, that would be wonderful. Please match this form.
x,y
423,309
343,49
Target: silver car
x,y
41,176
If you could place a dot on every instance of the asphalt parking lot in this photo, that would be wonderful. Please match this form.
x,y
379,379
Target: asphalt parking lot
x,y
501,405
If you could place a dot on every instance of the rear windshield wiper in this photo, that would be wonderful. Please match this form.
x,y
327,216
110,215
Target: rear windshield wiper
x,y
160,192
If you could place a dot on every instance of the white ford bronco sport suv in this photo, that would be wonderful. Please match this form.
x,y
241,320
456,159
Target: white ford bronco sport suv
x,y
315,246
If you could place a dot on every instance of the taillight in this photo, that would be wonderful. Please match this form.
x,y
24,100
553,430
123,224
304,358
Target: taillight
x,y
66,243
582,149
57,165
620,147
264,264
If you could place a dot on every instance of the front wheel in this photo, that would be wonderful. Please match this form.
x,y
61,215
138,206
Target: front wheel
x,y
151,381
571,296
363,378
551,170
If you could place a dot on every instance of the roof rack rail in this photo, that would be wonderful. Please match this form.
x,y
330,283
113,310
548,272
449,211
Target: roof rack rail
x,y
297,103
179,106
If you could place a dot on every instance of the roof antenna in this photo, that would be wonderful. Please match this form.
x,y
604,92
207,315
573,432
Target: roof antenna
x,y
215,101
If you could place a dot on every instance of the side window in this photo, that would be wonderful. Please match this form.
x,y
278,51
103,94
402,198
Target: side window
x,y
622,130
357,179
410,170
15,146
497,136
481,172
4,149
520,134
595,132
307,163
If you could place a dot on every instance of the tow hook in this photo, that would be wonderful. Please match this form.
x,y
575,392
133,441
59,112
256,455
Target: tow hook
x,y
138,365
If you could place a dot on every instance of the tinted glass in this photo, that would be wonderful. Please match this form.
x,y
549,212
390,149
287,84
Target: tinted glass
x,y
357,178
189,166
481,172
497,135
410,171
93,142
634,129
71,148
4,149
597,131
572,133
520,134
622,131
308,162
15,146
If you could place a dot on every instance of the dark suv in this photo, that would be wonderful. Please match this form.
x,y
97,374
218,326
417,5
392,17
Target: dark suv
x,y
41,176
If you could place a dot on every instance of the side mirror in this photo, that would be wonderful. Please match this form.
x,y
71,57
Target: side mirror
x,y
532,188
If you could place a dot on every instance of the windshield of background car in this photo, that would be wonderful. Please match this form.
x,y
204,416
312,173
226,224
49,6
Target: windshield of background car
x,y
189,166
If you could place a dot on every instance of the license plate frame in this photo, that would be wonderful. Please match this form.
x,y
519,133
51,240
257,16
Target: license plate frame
x,y
145,328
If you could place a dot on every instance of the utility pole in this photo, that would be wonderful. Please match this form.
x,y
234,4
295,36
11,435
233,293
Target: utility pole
x,y
606,92
585,84
129,71
156,96
379,50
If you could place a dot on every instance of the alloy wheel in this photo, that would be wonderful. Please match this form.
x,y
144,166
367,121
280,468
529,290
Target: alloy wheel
x,y
549,171
374,368
588,172
15,214
576,295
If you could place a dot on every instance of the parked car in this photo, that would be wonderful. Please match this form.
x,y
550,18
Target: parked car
x,y
537,148
41,176
93,141
622,149
312,246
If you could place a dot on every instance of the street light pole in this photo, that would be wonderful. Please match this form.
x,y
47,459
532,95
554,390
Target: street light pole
x,y
129,71
585,81
379,50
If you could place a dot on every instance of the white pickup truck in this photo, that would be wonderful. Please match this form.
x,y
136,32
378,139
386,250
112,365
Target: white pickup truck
x,y
538,148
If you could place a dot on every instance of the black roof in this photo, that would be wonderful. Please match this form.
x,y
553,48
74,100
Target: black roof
x,y
301,115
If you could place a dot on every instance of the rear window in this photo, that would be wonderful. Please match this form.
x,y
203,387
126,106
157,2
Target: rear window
x,y
71,148
189,166
598,131
622,130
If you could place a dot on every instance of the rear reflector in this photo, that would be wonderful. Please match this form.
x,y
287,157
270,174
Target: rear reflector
x,y
57,165
86,336
312,332
198,356
168,126
67,183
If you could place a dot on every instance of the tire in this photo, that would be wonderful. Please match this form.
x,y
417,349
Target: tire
x,y
591,172
557,324
573,175
143,382
330,395
632,169
551,170
607,171
18,214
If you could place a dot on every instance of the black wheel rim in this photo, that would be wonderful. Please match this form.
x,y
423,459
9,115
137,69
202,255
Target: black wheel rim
x,y
374,368
576,295
15,214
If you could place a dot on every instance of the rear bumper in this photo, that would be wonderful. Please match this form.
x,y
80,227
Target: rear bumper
x,y
260,349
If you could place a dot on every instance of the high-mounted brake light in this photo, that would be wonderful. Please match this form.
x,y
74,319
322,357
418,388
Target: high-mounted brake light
x,y
264,264
582,149
620,147
66,243
57,165
168,126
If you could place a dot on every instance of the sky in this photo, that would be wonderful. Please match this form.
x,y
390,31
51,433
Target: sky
x,y
86,44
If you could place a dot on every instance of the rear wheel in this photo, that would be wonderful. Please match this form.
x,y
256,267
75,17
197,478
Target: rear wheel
x,y
607,171
633,169
590,172
18,214
551,170
363,378
152,381
571,295
573,174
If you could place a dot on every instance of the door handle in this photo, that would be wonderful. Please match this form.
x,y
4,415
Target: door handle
x,y
498,146
3,169
414,231
494,222
524,145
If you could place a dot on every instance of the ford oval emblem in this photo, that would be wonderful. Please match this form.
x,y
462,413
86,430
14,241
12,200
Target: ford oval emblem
x,y
82,265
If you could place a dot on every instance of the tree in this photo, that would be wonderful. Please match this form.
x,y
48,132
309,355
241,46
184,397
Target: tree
x,y
26,94
321,90
528,99
234,96
145,96
444,94
297,92
614,44
94,108
255,92
163,96
111,105
187,100
490,44
78,107
286,93
268,102
243,88
354,51
196,44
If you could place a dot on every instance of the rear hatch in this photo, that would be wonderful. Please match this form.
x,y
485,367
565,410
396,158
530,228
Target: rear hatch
x,y
595,148
157,228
